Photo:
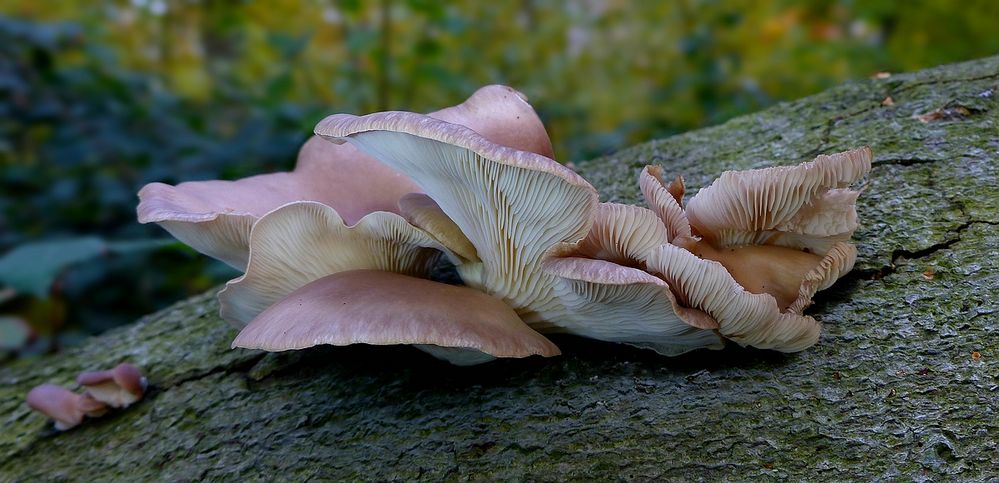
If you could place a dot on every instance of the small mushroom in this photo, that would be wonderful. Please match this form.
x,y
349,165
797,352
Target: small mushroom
x,y
807,206
665,200
118,387
459,324
66,407
781,231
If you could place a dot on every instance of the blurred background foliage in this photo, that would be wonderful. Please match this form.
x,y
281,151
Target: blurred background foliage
x,y
100,97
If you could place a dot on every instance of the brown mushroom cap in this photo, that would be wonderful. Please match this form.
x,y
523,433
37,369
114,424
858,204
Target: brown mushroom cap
x,y
781,231
384,308
118,387
66,407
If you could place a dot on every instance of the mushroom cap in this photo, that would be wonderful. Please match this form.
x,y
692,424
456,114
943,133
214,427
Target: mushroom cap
x,y
118,387
803,207
744,317
512,205
66,407
610,302
665,200
838,261
215,217
605,295
384,308
502,115
304,241
622,234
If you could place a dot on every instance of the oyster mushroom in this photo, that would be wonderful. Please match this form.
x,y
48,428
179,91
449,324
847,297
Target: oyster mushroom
x,y
65,407
535,249
497,198
562,261
118,387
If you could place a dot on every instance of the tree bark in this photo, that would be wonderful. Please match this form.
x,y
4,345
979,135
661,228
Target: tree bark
x,y
904,383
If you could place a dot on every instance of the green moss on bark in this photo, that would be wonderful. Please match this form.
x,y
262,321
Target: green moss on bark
x,y
891,391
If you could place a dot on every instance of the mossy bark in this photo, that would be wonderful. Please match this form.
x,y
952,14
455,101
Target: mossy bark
x,y
903,384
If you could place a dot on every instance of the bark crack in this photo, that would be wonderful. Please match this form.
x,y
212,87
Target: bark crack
x,y
904,161
901,253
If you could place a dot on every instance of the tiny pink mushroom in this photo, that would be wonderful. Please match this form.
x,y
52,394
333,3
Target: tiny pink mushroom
x,y
66,407
118,387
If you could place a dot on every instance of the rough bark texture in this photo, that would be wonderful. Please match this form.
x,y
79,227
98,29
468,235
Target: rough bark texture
x,y
904,383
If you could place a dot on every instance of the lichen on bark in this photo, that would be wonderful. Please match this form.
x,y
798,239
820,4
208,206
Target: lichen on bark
x,y
892,390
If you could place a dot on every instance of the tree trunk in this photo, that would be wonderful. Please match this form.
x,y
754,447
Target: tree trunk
x,y
903,384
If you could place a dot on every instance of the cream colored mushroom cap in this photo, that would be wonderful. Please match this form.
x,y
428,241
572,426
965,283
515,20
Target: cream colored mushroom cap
x,y
805,206
305,241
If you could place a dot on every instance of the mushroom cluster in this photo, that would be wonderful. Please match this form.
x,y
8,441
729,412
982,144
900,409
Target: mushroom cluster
x,y
113,388
346,248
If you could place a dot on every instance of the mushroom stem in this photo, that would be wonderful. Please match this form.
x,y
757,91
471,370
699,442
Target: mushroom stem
x,y
760,269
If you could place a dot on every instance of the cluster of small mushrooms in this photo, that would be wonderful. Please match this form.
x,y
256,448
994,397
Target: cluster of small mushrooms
x,y
343,250
102,390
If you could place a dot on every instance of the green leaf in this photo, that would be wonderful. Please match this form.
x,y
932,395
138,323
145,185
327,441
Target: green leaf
x,y
33,267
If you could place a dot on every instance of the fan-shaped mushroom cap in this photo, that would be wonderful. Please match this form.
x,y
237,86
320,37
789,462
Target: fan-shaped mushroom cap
x,y
747,318
459,324
837,262
622,234
665,200
215,217
118,387
512,205
610,302
304,241
606,296
802,207
66,407
781,231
